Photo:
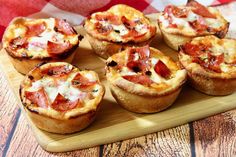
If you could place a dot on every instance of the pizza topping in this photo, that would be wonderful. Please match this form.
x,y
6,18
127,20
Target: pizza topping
x,y
82,82
204,56
161,69
57,71
36,29
108,17
64,27
200,9
38,97
62,104
18,42
57,48
103,29
140,79
193,18
112,64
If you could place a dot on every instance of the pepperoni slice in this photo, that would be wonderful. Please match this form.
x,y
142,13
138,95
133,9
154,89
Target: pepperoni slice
x,y
64,27
177,12
128,23
62,104
57,71
103,29
38,98
18,43
57,48
143,53
109,17
194,50
199,25
81,81
200,9
140,79
161,69
213,62
36,29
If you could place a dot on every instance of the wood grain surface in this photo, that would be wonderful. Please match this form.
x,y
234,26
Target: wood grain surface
x,y
209,137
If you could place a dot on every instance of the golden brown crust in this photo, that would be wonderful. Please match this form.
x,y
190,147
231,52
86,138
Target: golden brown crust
x,y
174,37
56,121
143,104
105,44
140,98
106,49
25,59
208,81
24,65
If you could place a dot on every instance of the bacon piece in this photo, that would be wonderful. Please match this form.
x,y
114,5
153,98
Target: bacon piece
x,y
38,98
64,27
36,29
82,82
199,9
62,104
140,79
109,17
103,29
161,69
57,48
57,71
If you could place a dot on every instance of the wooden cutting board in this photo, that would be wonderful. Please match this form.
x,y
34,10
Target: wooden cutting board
x,y
113,123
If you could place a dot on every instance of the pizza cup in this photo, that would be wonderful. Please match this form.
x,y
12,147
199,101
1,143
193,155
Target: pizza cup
x,y
29,42
210,64
117,28
179,24
143,79
59,98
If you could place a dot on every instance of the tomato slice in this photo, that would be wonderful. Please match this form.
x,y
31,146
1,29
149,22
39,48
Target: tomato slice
x,y
57,48
62,104
36,29
200,9
57,71
38,98
140,79
80,81
64,27
162,70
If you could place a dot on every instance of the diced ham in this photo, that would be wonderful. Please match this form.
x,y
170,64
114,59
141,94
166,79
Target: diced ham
x,y
140,79
199,9
64,27
162,70
35,29
39,98
62,104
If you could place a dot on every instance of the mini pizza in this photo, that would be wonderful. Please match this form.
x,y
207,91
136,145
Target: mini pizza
x,y
32,41
180,24
59,98
211,64
143,79
121,26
